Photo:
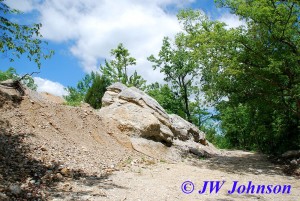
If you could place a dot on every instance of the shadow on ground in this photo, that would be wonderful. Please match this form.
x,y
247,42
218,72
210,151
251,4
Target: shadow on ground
x,y
242,163
25,178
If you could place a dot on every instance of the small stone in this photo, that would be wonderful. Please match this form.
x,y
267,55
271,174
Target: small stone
x,y
59,176
64,171
294,162
3,197
23,186
15,189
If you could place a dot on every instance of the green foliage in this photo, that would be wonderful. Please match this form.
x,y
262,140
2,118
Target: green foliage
x,y
90,90
96,91
252,73
16,39
117,69
11,73
76,95
218,140
168,99
136,81
199,114
179,66
74,98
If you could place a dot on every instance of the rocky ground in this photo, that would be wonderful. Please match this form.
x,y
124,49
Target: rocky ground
x,y
50,151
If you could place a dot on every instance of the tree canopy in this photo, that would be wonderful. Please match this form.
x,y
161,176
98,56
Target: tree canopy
x,y
17,39
179,67
252,72
116,70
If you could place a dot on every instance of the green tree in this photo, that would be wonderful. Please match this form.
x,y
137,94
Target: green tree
x,y
17,39
90,90
76,95
136,81
199,114
168,99
179,66
252,72
96,91
117,69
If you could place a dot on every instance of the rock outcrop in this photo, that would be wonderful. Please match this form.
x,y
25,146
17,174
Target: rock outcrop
x,y
130,113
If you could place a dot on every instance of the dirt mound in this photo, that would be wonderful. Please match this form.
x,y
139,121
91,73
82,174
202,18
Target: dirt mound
x,y
53,98
43,140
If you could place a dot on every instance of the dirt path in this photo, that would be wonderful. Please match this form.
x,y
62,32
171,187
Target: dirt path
x,y
163,181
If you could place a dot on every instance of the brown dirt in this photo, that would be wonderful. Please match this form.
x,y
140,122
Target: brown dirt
x,y
50,151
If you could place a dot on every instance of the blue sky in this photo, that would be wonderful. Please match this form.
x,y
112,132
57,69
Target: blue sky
x,y
82,33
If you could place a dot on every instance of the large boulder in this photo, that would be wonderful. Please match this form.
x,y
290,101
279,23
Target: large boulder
x,y
130,113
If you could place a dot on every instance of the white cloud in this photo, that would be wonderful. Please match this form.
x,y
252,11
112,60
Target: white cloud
x,y
51,87
97,26
231,20
23,6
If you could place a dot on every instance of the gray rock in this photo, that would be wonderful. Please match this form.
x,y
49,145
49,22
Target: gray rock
x,y
116,87
156,150
130,113
291,154
198,149
184,130
3,197
15,189
294,162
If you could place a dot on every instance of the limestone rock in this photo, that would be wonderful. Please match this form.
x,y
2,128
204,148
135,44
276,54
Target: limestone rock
x,y
198,149
291,154
184,130
156,150
130,113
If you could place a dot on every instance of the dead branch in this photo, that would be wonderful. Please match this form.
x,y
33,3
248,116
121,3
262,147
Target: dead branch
x,y
27,74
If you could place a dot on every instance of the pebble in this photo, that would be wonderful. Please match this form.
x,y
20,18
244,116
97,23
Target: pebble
x,y
32,181
15,189
3,197
294,162
59,176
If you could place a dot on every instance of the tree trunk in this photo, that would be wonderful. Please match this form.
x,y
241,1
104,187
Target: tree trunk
x,y
186,103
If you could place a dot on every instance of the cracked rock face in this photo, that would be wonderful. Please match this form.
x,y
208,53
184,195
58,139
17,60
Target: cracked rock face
x,y
129,112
